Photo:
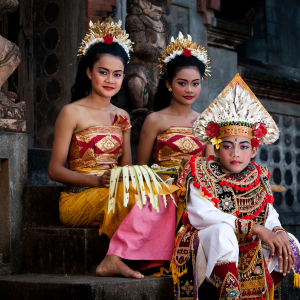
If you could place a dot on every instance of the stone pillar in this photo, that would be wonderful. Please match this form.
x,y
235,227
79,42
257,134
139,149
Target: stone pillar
x,y
13,180
13,158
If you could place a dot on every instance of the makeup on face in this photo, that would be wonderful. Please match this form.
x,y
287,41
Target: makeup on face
x,y
187,85
235,153
107,75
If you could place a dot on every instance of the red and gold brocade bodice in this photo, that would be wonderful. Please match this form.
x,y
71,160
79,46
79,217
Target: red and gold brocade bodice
x,y
176,143
98,145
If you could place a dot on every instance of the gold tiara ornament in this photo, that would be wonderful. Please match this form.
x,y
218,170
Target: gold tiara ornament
x,y
106,32
184,46
236,111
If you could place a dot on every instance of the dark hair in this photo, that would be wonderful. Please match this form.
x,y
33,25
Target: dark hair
x,y
82,86
162,98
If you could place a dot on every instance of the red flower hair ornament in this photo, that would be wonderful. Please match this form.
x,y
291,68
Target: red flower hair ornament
x,y
108,39
259,130
254,142
212,130
187,52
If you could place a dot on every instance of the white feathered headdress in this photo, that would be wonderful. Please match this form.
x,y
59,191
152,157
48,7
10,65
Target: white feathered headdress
x,y
236,111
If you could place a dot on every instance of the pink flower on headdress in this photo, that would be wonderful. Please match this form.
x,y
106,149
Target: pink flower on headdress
x,y
108,39
259,130
254,142
212,130
187,52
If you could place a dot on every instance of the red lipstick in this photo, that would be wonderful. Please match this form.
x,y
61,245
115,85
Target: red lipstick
x,y
109,88
235,162
188,97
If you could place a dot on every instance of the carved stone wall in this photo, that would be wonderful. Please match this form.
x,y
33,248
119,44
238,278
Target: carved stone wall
x,y
12,112
58,29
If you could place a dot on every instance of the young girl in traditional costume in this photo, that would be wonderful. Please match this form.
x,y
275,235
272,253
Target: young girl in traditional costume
x,y
93,134
146,235
235,236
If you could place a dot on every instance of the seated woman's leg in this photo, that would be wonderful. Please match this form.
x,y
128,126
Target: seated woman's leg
x,y
89,209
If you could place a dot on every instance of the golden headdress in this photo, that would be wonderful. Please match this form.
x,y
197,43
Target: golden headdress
x,y
105,32
236,111
186,47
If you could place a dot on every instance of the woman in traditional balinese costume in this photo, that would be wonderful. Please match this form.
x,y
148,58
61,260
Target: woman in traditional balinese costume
x,y
146,235
94,136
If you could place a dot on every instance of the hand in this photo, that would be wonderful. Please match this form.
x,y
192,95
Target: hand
x,y
278,243
104,180
291,257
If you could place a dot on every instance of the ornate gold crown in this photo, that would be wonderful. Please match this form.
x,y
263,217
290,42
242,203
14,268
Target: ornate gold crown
x,y
236,111
187,48
105,32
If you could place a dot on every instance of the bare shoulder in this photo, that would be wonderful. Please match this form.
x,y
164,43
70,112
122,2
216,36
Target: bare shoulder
x,y
122,112
70,110
196,114
153,118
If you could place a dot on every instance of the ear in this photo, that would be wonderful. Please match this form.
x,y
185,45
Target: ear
x,y
168,84
217,151
88,72
254,152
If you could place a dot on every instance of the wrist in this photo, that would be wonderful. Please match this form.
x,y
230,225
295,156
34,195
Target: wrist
x,y
95,180
279,229
255,229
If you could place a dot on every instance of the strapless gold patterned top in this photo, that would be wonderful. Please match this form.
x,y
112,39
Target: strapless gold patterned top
x,y
174,144
98,145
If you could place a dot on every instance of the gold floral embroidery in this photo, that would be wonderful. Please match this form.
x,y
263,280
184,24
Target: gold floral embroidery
x,y
165,148
165,151
85,138
186,144
75,150
107,144
89,154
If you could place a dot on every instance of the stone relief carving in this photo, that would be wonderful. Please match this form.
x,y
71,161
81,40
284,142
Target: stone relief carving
x,y
149,31
12,114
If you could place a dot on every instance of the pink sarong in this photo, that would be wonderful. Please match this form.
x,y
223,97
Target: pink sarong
x,y
146,235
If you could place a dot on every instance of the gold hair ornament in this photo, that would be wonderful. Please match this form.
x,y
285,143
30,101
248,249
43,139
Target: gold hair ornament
x,y
106,32
184,46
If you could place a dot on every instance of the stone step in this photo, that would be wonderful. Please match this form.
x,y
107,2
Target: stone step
x,y
41,206
81,287
46,287
61,250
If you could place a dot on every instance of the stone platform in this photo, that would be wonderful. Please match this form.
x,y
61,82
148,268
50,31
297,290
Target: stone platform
x,y
60,262
46,287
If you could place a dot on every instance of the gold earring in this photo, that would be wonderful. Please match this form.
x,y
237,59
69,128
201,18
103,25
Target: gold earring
x,y
170,90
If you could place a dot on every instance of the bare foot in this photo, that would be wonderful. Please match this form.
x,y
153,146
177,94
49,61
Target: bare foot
x,y
112,265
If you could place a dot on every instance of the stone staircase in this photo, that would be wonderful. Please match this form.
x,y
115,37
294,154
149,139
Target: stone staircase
x,y
60,262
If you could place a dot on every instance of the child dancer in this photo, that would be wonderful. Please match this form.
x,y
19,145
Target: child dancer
x,y
246,251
